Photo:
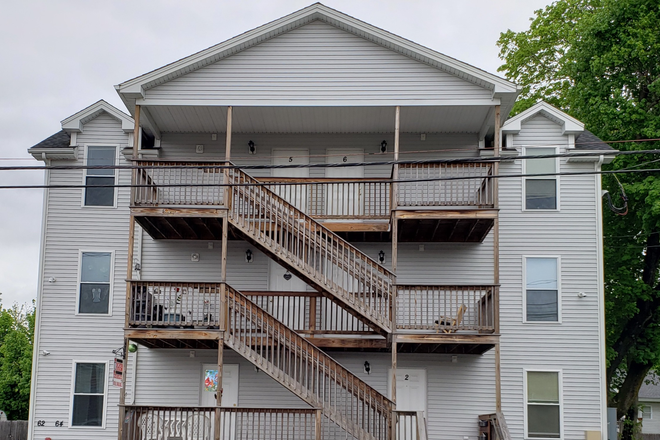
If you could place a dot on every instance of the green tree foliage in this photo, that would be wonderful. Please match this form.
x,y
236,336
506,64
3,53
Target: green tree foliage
x,y
16,342
599,60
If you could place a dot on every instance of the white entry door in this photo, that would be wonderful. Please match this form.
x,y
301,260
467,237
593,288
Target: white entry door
x,y
229,388
199,428
410,389
344,199
294,194
410,396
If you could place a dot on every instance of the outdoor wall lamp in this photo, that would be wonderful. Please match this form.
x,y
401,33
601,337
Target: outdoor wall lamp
x,y
248,256
251,148
381,257
383,147
367,367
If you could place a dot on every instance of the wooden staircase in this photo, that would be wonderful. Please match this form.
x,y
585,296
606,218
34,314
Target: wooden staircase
x,y
316,378
311,251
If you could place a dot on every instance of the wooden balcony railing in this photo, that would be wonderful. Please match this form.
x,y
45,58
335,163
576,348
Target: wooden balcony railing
x,y
335,198
410,425
493,427
169,183
199,423
173,304
447,309
308,313
473,190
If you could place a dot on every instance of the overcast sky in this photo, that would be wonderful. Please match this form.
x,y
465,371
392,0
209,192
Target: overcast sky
x,y
60,56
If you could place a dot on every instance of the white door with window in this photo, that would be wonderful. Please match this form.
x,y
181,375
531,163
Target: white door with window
x,y
294,194
202,428
344,199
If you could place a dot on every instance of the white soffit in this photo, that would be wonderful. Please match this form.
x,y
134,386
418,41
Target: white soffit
x,y
75,122
501,88
193,119
568,124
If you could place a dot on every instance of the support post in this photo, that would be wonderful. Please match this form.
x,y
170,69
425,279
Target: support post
x,y
317,425
497,148
129,270
395,257
223,310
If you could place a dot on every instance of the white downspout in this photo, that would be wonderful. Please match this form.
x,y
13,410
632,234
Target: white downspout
x,y
601,297
40,285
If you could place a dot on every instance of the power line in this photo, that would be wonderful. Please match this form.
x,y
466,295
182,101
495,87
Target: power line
x,y
333,182
217,164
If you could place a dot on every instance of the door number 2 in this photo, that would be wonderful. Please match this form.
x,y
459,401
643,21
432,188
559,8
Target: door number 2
x,y
406,377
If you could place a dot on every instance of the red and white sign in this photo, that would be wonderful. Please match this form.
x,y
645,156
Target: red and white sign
x,y
119,372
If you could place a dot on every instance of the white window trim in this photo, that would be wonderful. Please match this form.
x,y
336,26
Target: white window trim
x,y
106,390
528,151
112,276
649,408
84,176
561,401
524,290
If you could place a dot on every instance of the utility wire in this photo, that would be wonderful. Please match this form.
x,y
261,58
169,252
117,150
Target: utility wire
x,y
216,165
312,182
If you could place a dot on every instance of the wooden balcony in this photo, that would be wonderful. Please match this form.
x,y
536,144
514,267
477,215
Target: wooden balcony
x,y
440,319
185,200
179,200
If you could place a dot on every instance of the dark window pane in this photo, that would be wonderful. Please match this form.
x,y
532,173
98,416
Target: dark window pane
x,y
543,421
100,196
87,411
98,156
541,194
94,298
542,305
90,378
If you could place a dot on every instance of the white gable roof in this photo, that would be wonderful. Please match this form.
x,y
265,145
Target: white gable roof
x,y
75,122
568,124
501,88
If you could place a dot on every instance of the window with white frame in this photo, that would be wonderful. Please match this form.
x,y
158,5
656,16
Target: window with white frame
x,y
543,404
87,408
97,193
95,268
541,191
541,289
647,412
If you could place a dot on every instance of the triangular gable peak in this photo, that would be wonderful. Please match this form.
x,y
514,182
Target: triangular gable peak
x,y
499,88
568,124
76,122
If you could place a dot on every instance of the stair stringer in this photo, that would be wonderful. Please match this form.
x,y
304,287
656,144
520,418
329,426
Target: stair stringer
x,y
306,248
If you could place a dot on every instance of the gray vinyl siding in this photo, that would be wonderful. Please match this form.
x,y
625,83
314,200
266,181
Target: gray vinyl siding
x,y
71,228
439,263
571,346
318,65
180,146
457,392
651,425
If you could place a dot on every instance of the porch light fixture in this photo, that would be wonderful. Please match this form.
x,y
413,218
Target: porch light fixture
x,y
251,148
381,257
383,147
248,256
367,367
